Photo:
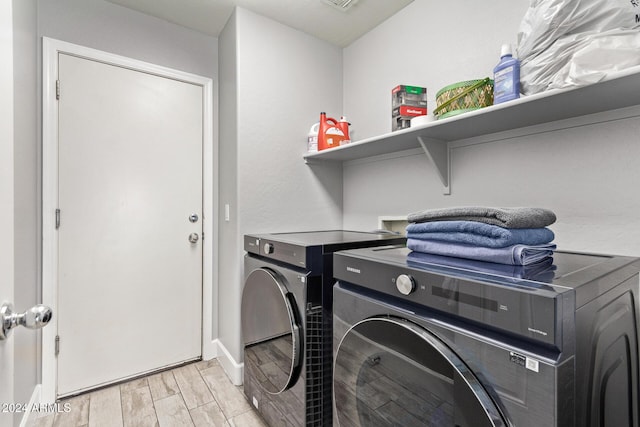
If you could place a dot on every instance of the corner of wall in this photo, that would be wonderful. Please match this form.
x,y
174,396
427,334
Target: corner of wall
x,y
230,246
233,369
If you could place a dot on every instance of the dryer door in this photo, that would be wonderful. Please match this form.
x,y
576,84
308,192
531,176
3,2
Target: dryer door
x,y
390,372
271,331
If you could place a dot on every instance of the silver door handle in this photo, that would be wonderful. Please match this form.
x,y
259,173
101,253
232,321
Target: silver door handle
x,y
34,318
193,237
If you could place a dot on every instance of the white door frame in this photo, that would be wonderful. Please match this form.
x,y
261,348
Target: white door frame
x,y
7,369
50,50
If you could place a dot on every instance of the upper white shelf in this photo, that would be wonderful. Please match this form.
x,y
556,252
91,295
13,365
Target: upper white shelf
x,y
618,91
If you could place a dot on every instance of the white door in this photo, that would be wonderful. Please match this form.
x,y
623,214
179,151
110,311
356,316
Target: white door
x,y
129,181
6,201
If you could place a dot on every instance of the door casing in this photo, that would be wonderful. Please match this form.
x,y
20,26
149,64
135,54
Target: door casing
x,y
51,49
7,370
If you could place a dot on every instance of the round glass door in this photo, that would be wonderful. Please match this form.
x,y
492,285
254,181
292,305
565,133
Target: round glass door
x,y
390,372
271,332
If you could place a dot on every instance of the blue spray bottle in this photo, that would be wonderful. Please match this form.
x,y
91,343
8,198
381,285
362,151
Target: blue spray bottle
x,y
506,76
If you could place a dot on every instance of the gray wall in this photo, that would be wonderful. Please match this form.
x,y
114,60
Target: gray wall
x,y
283,79
583,169
102,25
229,258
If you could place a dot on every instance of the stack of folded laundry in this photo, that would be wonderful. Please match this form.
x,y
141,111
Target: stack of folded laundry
x,y
514,236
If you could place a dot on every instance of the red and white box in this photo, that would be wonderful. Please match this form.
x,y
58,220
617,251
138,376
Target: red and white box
x,y
409,111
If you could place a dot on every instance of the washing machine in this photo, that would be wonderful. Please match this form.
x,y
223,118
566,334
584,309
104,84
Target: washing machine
x,y
423,340
286,321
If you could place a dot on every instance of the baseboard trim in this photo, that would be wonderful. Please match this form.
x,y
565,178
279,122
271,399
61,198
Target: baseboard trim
x,y
210,350
233,369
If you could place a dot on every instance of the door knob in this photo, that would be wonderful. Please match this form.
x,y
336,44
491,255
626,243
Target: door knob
x,y
193,237
193,218
34,318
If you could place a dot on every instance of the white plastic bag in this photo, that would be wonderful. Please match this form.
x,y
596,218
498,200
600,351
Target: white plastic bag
x,y
564,43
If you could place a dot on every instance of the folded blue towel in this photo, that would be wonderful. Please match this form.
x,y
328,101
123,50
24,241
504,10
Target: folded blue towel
x,y
512,255
478,233
504,217
542,271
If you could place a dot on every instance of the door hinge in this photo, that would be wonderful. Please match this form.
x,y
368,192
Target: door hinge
x,y
57,89
57,350
57,218
203,236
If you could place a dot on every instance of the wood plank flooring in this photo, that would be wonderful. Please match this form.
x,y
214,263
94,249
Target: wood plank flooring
x,y
198,394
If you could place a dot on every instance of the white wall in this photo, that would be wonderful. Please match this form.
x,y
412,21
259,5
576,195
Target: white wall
x,y
229,254
584,169
283,79
430,44
102,25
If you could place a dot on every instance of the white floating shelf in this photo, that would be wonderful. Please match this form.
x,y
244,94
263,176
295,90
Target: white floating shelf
x,y
617,91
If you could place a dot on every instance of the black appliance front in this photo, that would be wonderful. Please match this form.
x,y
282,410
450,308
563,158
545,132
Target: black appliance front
x,y
286,322
419,342
389,371
281,316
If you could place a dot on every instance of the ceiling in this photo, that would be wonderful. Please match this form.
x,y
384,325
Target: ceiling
x,y
314,17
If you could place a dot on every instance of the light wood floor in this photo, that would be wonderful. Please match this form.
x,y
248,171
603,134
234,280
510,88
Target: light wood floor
x,y
198,394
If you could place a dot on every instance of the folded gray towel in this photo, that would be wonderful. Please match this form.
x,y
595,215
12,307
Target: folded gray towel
x,y
503,217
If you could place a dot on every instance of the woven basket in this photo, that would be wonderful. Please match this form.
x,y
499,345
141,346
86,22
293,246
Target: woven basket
x,y
461,97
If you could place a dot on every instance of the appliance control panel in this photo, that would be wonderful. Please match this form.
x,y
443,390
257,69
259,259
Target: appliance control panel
x,y
290,254
532,313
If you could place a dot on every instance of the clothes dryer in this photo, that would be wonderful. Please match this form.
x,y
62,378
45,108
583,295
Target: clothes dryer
x,y
423,340
286,321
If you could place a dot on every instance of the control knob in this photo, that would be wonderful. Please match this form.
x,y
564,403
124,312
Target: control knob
x,y
405,284
268,248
